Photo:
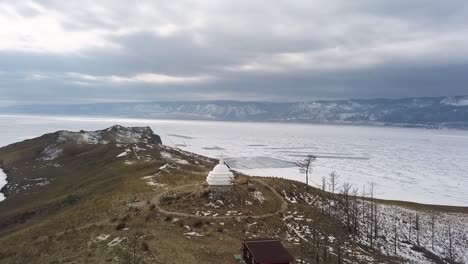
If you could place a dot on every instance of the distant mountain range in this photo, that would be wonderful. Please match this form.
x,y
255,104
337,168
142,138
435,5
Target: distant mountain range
x,y
429,112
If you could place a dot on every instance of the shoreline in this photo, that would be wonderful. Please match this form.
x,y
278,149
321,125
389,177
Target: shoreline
x,y
130,118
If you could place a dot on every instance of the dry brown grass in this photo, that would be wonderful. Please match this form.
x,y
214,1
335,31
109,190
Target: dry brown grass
x,y
106,186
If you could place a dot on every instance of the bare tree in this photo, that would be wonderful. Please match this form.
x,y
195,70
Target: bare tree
x,y
450,234
363,207
432,228
305,166
376,221
372,216
325,246
333,185
346,202
417,226
316,242
324,184
333,181
410,226
324,193
339,246
355,213
395,235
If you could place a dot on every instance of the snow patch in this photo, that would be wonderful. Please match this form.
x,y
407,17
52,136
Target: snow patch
x,y
169,156
258,195
51,153
102,237
196,234
290,199
123,154
92,137
115,241
156,184
455,101
46,182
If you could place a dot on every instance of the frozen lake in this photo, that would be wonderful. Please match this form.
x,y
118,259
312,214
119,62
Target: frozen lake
x,y
426,166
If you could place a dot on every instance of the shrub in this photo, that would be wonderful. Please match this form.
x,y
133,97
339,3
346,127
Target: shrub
x,y
198,224
152,215
121,226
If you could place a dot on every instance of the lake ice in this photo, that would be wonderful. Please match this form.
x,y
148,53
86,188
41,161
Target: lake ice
x,y
3,182
426,166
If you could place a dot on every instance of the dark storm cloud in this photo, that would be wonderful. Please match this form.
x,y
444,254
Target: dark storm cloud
x,y
62,51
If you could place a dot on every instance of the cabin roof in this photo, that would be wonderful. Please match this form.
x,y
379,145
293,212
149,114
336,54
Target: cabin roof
x,y
268,250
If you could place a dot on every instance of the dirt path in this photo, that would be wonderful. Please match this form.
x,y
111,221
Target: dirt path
x,y
283,207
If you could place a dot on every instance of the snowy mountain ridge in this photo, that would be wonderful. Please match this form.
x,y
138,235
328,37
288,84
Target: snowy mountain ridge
x,y
460,101
432,112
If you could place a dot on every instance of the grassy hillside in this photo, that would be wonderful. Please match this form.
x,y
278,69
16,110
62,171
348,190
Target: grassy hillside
x,y
95,201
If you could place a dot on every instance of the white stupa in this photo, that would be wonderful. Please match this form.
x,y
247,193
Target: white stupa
x,y
220,175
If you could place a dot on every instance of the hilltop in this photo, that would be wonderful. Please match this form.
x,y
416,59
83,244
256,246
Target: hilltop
x,y
87,196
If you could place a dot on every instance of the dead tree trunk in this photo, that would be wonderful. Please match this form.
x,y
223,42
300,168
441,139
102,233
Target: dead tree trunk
x,y
316,242
339,254
432,229
450,240
301,245
324,193
395,235
355,211
325,247
345,193
416,227
333,185
372,217
410,223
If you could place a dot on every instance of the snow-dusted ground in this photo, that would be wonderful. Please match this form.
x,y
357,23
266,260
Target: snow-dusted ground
x,y
3,182
395,224
405,220
427,166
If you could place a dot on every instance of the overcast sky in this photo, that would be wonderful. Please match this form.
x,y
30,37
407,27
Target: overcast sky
x,y
283,50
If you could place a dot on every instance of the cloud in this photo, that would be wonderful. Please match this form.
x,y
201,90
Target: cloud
x,y
37,76
261,50
148,78
339,58
42,31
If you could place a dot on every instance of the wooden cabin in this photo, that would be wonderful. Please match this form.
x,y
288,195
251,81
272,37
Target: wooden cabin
x,y
265,251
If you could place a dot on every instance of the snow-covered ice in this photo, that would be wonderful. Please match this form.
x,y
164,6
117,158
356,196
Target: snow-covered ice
x,y
426,166
3,182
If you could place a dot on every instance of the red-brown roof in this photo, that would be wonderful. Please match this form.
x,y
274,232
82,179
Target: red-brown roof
x,y
268,250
